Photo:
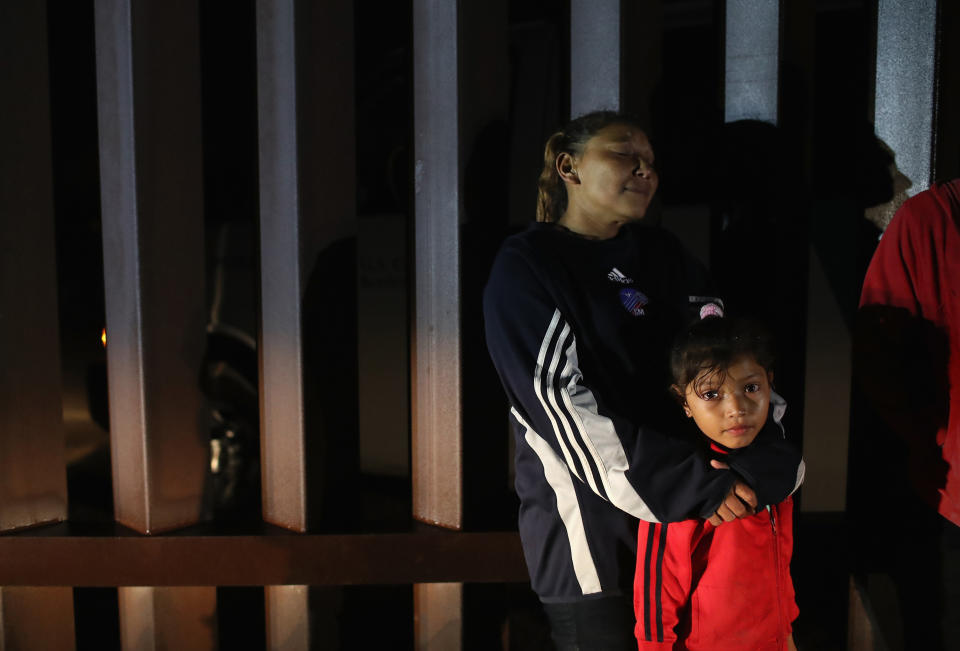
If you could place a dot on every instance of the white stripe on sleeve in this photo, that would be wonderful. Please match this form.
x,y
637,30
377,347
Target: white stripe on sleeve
x,y
603,444
538,380
801,471
601,451
562,413
558,477
778,407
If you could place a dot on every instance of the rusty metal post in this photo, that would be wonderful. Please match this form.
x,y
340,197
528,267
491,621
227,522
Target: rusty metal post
x,y
437,435
307,205
148,96
36,619
288,617
752,39
459,96
281,379
168,618
435,358
33,480
438,616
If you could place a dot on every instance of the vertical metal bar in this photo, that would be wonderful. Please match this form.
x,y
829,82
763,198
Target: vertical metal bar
x,y
137,628
595,62
306,203
33,481
861,632
458,96
168,618
36,619
281,377
905,86
946,164
383,338
437,432
148,97
440,625
752,40
641,47
825,416
288,617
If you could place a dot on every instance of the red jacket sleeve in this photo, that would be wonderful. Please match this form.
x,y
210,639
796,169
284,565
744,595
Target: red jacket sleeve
x,y
662,583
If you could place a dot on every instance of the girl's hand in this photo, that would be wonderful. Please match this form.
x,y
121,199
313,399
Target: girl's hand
x,y
739,503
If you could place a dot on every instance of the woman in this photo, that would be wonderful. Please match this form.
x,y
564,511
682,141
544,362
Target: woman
x,y
580,311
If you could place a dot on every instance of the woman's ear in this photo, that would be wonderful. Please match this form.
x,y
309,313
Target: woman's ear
x,y
566,168
770,378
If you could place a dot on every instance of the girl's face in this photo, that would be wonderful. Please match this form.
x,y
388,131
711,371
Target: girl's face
x,y
731,409
612,181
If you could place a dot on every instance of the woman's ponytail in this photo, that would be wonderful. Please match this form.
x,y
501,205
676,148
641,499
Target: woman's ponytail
x,y
551,194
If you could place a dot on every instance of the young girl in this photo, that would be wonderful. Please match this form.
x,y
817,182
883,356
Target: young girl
x,y
703,587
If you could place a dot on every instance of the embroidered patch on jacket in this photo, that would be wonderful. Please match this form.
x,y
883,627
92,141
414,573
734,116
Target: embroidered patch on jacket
x,y
634,301
618,276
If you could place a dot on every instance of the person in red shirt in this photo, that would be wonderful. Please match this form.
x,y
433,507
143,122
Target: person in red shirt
x,y
907,362
727,587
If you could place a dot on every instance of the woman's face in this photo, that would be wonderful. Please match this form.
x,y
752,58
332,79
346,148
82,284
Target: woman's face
x,y
613,179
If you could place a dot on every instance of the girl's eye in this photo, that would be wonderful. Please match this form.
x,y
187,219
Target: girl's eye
x,y
752,388
710,395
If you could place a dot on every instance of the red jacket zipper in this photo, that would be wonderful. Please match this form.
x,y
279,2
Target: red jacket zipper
x,y
772,510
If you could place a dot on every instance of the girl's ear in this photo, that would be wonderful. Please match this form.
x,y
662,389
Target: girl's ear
x,y
770,378
566,168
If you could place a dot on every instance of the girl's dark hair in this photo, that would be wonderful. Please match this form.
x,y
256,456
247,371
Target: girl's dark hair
x,y
571,139
713,343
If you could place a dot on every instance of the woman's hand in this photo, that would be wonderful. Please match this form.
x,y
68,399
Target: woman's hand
x,y
739,502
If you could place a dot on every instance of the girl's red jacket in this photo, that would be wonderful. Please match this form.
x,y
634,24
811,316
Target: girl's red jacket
x,y
716,588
